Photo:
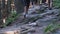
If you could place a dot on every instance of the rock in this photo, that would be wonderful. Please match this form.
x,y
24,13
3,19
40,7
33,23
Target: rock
x,y
29,33
36,7
11,32
29,30
32,24
58,32
42,14
31,11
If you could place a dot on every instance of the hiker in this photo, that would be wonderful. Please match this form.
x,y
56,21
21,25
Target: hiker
x,y
22,5
49,3
27,4
33,2
26,7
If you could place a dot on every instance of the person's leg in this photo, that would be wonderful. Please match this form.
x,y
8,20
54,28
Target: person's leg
x,y
47,1
27,6
31,3
43,1
27,2
50,4
24,2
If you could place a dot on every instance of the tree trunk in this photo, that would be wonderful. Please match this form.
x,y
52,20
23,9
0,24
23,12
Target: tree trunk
x,y
2,6
0,9
9,6
0,12
19,6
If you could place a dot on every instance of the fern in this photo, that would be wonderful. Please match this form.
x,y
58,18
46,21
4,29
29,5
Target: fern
x,y
51,28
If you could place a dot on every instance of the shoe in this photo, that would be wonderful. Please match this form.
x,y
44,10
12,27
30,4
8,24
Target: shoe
x,y
25,15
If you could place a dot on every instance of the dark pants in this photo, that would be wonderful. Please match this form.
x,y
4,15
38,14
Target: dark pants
x,y
43,1
35,1
26,2
19,5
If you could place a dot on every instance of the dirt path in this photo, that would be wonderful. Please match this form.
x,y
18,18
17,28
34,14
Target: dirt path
x,y
36,21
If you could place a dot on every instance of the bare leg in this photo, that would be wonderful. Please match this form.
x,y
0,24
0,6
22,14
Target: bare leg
x,y
26,7
26,11
30,5
50,4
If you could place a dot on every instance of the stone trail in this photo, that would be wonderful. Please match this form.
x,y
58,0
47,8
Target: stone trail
x,y
25,26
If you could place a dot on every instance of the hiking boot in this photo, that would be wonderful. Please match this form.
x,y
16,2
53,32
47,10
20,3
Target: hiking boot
x,y
25,14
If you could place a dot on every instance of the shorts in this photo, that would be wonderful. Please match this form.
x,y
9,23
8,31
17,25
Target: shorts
x,y
31,0
43,1
26,2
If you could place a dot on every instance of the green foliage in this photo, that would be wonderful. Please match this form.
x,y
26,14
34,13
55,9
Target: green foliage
x,y
56,3
55,25
51,28
10,19
13,14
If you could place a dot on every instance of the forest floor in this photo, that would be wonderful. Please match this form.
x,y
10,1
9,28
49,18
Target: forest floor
x,y
38,18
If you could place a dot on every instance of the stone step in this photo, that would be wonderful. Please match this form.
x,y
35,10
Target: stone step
x,y
55,12
14,31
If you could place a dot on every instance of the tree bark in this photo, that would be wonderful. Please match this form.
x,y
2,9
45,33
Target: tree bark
x,y
19,6
9,6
